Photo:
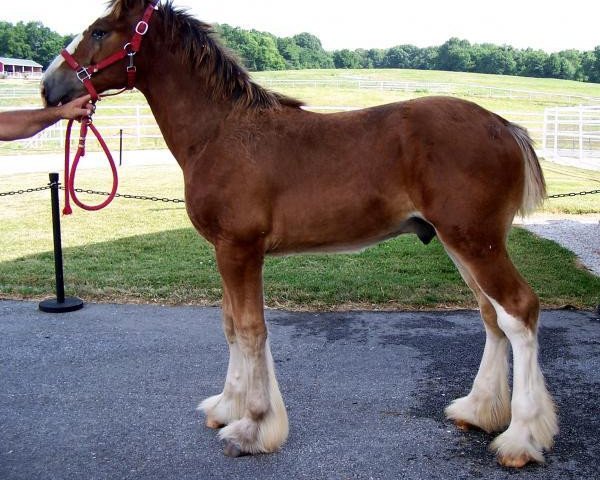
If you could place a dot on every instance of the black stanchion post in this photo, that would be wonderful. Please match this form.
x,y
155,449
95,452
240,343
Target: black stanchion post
x,y
120,147
61,303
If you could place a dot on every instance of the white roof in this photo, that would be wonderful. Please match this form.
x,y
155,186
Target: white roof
x,y
19,62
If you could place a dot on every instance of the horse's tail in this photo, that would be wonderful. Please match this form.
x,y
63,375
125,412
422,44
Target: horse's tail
x,y
534,190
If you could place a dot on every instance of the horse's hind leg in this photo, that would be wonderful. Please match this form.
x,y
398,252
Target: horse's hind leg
x,y
260,423
533,422
228,406
487,406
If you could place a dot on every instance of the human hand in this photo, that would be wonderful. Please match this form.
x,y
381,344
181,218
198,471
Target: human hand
x,y
78,108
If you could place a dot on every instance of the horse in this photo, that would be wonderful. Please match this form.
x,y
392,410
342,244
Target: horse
x,y
264,176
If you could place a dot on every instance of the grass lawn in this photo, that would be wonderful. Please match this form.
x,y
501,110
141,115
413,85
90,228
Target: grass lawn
x,y
561,179
147,252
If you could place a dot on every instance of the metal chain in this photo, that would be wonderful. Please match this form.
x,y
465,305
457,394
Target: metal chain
x,y
130,197
563,195
21,192
177,200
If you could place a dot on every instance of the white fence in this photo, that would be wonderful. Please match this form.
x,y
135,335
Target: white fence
x,y
21,75
17,93
139,129
459,89
562,133
135,123
572,135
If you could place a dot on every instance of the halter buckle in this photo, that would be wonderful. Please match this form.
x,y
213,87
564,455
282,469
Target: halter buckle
x,y
83,74
141,28
129,49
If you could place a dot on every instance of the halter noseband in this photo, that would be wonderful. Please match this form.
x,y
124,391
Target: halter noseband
x,y
84,74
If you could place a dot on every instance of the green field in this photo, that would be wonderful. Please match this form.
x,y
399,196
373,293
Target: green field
x,y
147,252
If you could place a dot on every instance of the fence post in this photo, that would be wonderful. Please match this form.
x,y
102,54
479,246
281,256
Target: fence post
x,y
61,304
138,125
545,131
580,132
555,132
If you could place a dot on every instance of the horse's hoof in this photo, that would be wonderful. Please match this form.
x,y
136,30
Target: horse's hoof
x,y
464,426
213,424
232,450
515,462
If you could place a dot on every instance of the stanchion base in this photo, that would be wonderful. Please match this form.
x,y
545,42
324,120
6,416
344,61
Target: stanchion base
x,y
51,305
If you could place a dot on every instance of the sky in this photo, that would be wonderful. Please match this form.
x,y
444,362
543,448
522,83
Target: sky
x,y
368,23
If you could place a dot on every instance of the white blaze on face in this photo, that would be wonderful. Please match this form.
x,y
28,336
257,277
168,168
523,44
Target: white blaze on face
x,y
58,61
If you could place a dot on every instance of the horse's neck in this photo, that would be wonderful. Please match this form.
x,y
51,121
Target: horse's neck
x,y
186,115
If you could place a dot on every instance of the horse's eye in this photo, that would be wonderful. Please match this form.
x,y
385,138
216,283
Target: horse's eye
x,y
98,34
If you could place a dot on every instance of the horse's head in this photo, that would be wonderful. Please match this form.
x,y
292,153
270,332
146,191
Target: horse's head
x,y
109,37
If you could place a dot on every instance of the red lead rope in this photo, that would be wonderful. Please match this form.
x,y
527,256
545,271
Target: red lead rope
x,y
71,171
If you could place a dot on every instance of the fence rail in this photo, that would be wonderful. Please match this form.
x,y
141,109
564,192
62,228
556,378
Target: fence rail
x,y
141,131
572,134
469,89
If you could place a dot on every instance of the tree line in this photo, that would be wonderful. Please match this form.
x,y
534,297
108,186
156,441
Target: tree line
x,y
265,51
31,41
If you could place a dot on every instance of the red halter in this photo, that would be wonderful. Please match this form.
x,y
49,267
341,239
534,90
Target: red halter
x,y
85,76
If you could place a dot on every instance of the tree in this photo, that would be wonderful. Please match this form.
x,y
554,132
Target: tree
x,y
595,71
571,67
347,59
493,59
552,66
455,55
426,58
312,54
375,58
591,65
258,49
401,56
290,51
45,43
531,63
31,41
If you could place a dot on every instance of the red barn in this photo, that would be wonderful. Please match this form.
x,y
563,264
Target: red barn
x,y
17,68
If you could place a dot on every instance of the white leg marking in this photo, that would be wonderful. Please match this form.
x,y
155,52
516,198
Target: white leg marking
x,y
534,424
229,406
270,432
488,404
58,61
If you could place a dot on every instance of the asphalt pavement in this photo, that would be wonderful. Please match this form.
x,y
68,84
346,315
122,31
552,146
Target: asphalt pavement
x,y
110,392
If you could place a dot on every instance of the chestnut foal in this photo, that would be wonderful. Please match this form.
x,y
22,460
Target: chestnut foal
x,y
263,176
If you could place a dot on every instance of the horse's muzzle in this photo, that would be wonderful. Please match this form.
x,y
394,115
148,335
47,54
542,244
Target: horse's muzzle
x,y
60,88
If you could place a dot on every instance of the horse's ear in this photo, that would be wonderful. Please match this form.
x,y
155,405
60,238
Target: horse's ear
x,y
122,7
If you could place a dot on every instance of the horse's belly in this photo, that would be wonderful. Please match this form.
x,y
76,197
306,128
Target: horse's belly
x,y
347,237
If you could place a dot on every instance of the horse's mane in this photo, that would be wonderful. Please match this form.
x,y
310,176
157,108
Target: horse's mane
x,y
196,44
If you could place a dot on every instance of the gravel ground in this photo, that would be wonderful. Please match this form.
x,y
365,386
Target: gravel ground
x,y
578,233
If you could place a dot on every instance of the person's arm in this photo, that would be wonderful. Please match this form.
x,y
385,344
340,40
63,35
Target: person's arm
x,y
19,124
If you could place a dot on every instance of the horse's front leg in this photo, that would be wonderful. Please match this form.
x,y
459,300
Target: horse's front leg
x,y
260,423
228,406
